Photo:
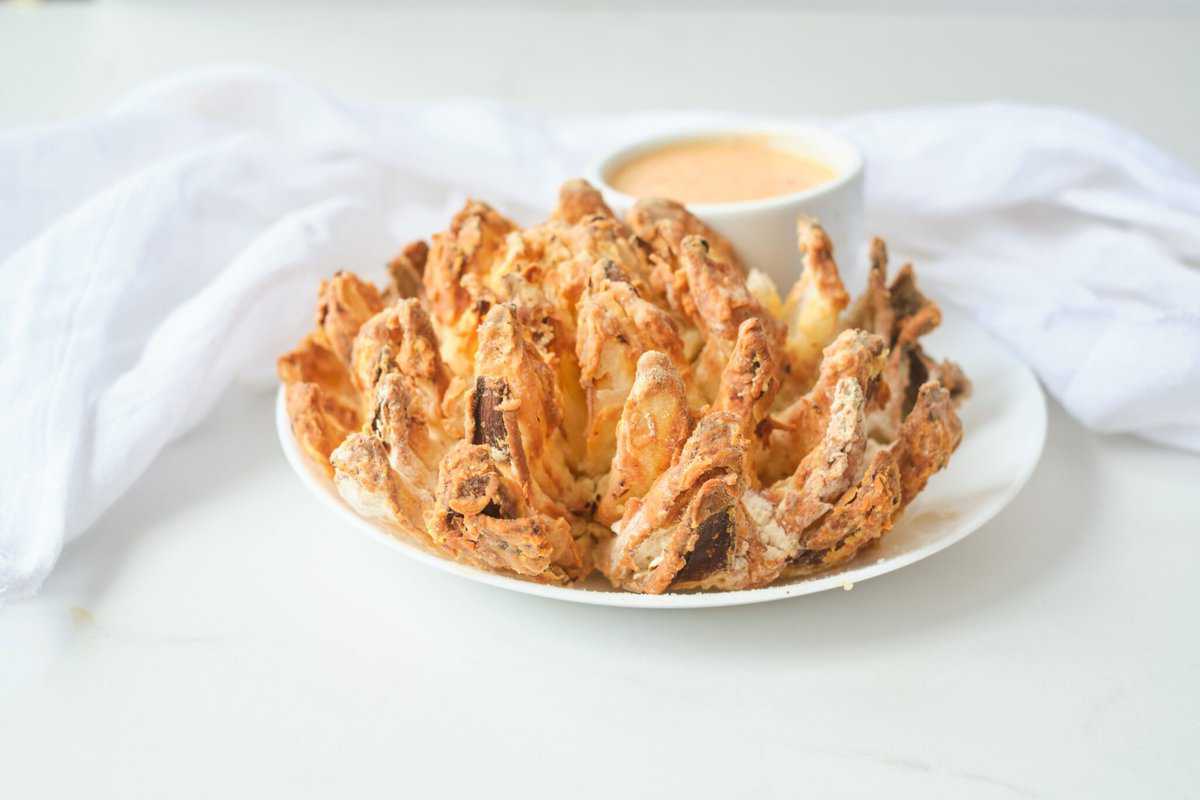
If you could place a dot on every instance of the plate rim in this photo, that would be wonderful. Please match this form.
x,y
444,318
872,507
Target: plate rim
x,y
847,577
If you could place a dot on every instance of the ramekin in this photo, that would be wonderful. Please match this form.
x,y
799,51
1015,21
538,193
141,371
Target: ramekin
x,y
764,231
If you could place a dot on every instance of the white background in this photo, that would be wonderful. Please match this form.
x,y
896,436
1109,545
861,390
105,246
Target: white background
x,y
219,633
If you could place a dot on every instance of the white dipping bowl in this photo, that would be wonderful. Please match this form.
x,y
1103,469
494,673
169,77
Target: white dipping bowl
x,y
764,231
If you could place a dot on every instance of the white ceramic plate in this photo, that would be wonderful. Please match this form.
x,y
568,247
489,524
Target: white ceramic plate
x,y
1004,425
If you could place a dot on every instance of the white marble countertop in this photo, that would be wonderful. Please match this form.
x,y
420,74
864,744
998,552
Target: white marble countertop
x,y
219,633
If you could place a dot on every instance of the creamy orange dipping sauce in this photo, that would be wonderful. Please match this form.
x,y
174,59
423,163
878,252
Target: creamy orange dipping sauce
x,y
728,169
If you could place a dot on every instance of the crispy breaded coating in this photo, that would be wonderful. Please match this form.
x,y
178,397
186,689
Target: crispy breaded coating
x,y
406,270
577,200
460,279
365,479
654,424
894,477
480,517
912,315
402,420
928,435
313,362
718,288
831,466
400,339
615,326
722,547
397,369
799,427
468,249
588,394
320,421
872,311
664,224
659,532
751,378
901,314
322,403
515,405
863,514
951,376
543,256
344,303
554,338
720,303
785,511
812,306
606,240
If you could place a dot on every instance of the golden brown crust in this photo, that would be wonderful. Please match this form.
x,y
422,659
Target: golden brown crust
x,y
515,391
406,270
654,424
718,289
751,378
658,532
664,224
400,339
813,305
344,303
799,427
321,401
872,311
544,256
515,387
831,466
720,302
480,517
951,376
461,257
902,315
320,421
365,479
615,327
313,362
862,515
787,511
577,200
929,434
722,546
606,241
401,418
554,338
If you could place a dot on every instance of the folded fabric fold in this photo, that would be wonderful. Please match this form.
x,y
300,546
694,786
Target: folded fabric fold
x,y
153,253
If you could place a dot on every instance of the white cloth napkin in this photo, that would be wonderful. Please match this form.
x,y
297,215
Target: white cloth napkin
x,y
151,254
